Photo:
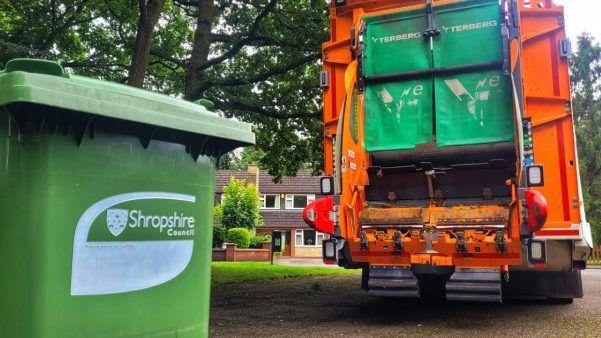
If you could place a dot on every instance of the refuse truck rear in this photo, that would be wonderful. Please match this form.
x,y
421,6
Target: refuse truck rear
x,y
450,157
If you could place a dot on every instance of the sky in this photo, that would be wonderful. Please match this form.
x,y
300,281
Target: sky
x,y
582,16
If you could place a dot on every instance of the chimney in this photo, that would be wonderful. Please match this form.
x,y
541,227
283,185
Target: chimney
x,y
254,170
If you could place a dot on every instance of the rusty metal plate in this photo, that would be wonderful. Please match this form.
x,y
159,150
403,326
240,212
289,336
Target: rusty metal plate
x,y
470,215
393,216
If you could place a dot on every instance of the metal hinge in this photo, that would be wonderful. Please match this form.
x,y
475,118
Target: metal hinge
x,y
461,247
398,241
431,31
363,241
500,240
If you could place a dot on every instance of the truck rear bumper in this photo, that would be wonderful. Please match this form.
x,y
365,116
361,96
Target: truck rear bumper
x,y
543,285
472,285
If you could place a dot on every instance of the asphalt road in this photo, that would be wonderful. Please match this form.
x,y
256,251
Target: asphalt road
x,y
336,306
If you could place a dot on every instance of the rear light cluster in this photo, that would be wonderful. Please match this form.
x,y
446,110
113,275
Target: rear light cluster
x,y
536,252
535,176
536,205
327,185
329,252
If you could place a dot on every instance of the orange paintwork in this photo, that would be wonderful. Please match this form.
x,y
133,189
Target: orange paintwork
x,y
547,103
546,91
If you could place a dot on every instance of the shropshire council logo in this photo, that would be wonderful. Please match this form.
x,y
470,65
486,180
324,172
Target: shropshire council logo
x,y
116,220
132,241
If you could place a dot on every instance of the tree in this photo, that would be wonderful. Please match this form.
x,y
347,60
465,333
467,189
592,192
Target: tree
x,y
258,60
150,10
240,206
241,161
30,28
586,84
265,71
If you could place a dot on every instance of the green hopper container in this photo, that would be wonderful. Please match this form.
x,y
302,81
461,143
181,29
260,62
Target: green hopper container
x,y
106,197
463,107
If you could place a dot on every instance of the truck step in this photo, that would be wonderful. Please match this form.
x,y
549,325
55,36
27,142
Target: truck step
x,y
475,285
392,282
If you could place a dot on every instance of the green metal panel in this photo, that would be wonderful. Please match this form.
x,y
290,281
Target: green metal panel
x,y
395,43
398,115
473,108
108,236
470,33
468,108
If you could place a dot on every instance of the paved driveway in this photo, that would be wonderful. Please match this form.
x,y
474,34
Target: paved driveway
x,y
335,306
309,262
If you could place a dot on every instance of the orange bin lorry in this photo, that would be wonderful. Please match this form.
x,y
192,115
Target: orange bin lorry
x,y
450,157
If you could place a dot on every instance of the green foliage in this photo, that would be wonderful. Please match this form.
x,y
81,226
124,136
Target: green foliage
x,y
586,83
239,236
250,156
219,237
256,242
240,206
257,60
286,108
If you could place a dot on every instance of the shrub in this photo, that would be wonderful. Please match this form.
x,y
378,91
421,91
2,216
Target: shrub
x,y
239,236
256,242
240,206
219,237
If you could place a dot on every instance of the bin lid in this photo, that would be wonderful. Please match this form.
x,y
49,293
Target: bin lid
x,y
46,83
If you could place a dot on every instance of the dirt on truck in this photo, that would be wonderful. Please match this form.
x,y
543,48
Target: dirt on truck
x,y
450,157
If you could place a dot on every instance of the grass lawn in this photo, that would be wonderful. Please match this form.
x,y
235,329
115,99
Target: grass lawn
x,y
239,272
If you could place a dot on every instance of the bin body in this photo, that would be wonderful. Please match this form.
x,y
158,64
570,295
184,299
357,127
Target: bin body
x,y
103,234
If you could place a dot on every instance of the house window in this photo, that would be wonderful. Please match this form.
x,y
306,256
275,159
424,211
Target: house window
x,y
270,202
299,238
319,237
298,201
309,238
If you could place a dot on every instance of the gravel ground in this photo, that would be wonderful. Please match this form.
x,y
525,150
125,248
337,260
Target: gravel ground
x,y
336,306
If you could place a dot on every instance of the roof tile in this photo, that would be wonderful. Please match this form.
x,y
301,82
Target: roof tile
x,y
283,219
302,183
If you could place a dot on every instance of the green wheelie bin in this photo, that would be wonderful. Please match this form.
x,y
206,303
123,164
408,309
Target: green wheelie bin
x,y
106,198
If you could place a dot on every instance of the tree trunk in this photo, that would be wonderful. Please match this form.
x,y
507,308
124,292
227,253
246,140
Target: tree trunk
x,y
150,11
200,48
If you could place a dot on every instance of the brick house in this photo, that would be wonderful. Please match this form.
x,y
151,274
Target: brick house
x,y
281,207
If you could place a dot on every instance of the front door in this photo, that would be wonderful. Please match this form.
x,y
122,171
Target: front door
x,y
287,252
